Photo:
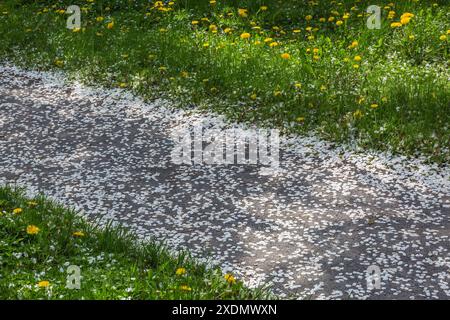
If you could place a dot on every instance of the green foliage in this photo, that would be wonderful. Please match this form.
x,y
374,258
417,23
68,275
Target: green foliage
x,y
396,98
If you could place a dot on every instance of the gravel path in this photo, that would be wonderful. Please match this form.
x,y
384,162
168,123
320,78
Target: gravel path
x,y
310,228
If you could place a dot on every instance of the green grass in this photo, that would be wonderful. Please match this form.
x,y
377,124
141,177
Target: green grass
x,y
113,264
396,98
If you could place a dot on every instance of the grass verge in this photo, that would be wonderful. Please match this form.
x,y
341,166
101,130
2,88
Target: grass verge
x,y
40,240
301,66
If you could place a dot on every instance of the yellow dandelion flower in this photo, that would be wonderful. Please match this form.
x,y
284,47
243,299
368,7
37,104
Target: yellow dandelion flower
x,y
110,25
407,15
43,284
353,45
78,234
180,271
213,28
357,114
374,105
443,37
17,211
339,23
32,229
185,288
245,35
405,20
357,58
230,278
243,12
286,56
396,24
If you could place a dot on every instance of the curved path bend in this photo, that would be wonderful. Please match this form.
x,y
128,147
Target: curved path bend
x,y
310,229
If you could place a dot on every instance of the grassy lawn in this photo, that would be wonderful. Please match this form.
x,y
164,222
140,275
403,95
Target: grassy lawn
x,y
300,66
40,239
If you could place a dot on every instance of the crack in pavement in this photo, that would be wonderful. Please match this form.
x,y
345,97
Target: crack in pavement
x,y
310,229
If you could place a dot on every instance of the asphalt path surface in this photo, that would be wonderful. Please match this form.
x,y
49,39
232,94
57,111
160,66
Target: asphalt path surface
x,y
315,227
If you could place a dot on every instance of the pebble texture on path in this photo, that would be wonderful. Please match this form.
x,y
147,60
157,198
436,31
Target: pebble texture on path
x,y
310,229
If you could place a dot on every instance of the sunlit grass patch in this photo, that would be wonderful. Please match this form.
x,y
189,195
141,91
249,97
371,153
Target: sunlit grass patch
x,y
269,62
